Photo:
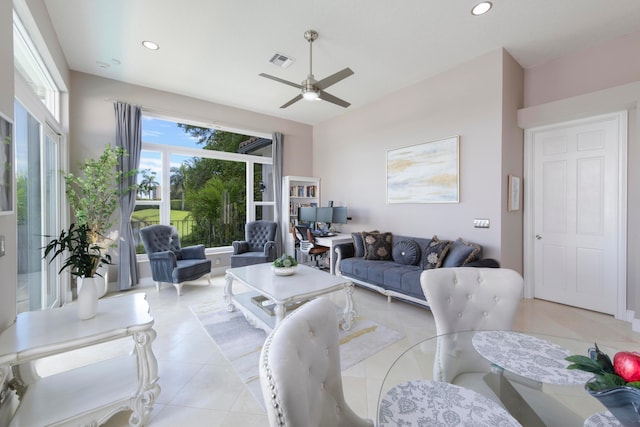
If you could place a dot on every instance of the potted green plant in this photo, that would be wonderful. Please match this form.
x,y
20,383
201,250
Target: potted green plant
x,y
284,265
94,196
83,257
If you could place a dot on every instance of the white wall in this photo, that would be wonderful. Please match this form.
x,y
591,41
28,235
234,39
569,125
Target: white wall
x,y
512,160
93,125
612,63
349,153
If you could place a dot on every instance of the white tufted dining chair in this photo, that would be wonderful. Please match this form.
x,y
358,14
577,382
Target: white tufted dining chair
x,y
465,299
300,371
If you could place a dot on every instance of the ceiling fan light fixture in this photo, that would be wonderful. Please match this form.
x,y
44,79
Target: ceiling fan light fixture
x,y
310,95
481,8
310,88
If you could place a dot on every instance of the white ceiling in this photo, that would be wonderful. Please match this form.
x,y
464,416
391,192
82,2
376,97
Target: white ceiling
x,y
215,49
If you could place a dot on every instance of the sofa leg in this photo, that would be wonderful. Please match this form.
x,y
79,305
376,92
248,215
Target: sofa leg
x,y
209,279
178,287
158,286
388,299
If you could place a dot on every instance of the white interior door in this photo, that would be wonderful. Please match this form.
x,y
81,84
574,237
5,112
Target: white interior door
x,y
576,213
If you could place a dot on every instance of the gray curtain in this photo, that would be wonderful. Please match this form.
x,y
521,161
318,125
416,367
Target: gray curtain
x,y
277,147
129,137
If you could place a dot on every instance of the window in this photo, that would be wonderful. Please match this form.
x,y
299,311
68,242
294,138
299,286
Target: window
x,y
205,182
30,66
38,160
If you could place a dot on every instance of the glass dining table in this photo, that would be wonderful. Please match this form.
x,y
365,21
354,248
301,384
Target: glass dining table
x,y
492,378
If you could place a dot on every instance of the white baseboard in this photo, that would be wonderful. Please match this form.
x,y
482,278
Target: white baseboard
x,y
635,323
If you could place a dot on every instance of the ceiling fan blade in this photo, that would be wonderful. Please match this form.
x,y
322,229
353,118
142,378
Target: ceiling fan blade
x,y
296,85
334,78
296,99
333,99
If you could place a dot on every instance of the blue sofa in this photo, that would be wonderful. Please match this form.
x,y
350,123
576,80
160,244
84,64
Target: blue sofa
x,y
392,264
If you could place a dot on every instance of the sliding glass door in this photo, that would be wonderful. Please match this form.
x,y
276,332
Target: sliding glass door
x,y
38,183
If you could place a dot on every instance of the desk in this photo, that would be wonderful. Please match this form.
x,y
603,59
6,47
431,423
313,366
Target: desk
x,y
453,358
92,394
331,242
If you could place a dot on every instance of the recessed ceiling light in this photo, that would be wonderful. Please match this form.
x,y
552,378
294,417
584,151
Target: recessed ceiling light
x,y
150,45
481,8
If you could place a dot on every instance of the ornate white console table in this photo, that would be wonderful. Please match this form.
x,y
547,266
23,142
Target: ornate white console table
x,y
90,395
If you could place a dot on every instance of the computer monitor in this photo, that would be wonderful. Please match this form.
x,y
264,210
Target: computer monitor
x,y
307,214
339,215
325,215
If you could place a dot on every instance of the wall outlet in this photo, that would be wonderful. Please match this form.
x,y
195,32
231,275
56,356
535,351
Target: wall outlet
x,y
481,223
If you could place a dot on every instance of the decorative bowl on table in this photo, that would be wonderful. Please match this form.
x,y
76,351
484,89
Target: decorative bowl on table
x,y
623,402
615,384
286,265
283,271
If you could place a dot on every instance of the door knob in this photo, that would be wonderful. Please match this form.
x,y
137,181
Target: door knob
x,y
538,237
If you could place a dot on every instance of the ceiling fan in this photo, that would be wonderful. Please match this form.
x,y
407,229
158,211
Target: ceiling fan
x,y
312,89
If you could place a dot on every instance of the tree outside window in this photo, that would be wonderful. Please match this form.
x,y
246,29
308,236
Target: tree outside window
x,y
204,196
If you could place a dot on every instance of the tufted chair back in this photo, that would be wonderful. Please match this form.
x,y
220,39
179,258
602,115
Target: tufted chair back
x,y
159,238
300,371
169,262
465,299
258,233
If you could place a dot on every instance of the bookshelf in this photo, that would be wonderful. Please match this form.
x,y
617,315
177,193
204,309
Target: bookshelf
x,y
297,191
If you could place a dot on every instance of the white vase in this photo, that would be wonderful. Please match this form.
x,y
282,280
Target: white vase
x,y
102,281
87,298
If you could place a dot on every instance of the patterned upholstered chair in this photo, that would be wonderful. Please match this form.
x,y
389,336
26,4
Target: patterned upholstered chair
x,y
169,262
259,245
468,299
471,299
300,371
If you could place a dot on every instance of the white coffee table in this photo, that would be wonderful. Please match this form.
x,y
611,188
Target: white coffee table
x,y
282,291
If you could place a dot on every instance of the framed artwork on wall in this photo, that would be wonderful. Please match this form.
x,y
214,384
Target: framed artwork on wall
x,y
424,173
514,194
6,165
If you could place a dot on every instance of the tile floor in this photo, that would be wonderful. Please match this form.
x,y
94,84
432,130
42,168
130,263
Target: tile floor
x,y
199,388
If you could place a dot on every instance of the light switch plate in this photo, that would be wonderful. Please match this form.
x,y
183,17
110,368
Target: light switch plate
x,y
481,223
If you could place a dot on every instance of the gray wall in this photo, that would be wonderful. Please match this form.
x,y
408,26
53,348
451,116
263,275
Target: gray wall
x,y
477,101
93,125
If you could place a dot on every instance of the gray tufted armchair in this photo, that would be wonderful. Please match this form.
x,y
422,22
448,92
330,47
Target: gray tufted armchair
x,y
300,372
259,245
169,262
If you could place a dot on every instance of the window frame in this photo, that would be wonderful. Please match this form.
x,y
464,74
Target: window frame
x,y
166,151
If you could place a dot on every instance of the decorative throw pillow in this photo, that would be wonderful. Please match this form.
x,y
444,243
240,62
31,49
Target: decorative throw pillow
x,y
461,253
358,244
406,252
435,252
377,246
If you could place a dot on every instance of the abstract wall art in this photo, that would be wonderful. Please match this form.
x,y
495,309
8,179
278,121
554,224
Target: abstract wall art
x,y
424,173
